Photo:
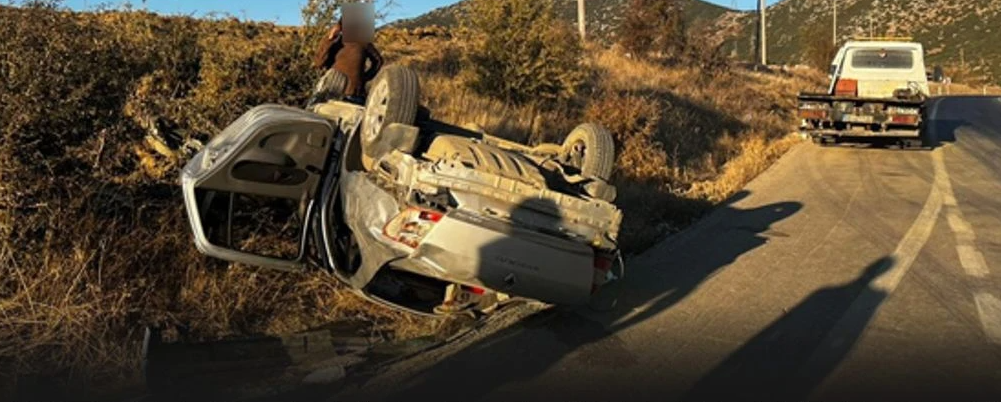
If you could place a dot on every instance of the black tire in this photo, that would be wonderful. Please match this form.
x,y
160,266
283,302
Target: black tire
x,y
394,98
331,85
590,148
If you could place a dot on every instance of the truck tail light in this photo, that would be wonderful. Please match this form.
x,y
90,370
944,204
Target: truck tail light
x,y
908,119
846,87
411,226
812,114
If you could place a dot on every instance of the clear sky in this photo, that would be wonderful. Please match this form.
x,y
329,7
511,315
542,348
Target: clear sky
x,y
286,12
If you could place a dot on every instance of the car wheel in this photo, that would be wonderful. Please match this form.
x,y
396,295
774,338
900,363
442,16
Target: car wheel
x,y
393,99
590,148
331,85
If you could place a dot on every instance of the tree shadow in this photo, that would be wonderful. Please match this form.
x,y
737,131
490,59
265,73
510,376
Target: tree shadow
x,y
534,345
790,358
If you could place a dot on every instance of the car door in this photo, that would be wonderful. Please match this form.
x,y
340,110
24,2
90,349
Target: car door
x,y
249,193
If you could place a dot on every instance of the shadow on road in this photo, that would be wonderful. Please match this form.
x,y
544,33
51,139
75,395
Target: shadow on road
x,y
526,350
947,115
789,359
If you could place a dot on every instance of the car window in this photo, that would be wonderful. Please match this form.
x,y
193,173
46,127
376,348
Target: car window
x,y
898,59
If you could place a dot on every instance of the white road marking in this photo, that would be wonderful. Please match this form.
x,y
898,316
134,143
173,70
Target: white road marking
x,y
868,303
914,240
972,260
989,308
958,224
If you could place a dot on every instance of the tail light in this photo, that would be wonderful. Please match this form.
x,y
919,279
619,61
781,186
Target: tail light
x,y
602,268
813,114
411,226
846,87
903,115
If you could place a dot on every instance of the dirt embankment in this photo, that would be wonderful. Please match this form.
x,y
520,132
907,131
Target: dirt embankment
x,y
94,110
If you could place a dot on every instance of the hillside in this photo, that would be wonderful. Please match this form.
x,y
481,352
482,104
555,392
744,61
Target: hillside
x,y
603,16
945,27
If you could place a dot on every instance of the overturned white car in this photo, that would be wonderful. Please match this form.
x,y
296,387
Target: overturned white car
x,y
408,211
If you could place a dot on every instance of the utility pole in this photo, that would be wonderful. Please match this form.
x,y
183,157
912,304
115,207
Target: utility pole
x,y
736,43
834,31
582,19
763,35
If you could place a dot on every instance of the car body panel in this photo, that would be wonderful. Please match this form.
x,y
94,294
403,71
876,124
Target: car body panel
x,y
501,256
511,223
273,151
483,157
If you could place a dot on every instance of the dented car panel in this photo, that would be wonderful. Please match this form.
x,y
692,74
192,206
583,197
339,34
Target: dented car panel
x,y
368,208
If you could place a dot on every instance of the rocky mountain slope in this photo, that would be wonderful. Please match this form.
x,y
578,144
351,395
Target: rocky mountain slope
x,y
954,32
603,16
962,35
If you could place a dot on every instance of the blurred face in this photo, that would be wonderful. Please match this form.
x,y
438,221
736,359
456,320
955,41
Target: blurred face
x,y
358,22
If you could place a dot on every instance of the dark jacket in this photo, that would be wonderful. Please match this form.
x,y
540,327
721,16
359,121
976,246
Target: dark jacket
x,y
350,58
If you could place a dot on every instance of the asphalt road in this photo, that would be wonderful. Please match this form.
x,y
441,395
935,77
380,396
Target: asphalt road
x,y
840,273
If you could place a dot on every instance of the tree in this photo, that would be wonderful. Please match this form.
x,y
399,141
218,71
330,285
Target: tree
x,y
521,52
319,15
654,29
819,50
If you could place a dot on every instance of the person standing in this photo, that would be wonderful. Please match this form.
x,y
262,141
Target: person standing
x,y
346,55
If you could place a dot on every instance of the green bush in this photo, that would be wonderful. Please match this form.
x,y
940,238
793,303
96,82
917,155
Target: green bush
x,y
521,52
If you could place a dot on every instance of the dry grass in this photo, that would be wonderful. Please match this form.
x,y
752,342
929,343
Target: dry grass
x,y
95,244
961,89
686,139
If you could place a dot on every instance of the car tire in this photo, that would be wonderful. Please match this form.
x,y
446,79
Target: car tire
x,y
331,85
394,98
590,148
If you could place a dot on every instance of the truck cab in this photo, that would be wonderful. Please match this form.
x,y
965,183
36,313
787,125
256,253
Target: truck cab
x,y
878,69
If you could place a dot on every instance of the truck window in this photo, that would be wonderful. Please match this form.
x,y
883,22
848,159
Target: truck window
x,y
897,59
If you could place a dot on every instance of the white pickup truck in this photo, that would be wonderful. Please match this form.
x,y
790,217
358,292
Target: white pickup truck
x,y
877,92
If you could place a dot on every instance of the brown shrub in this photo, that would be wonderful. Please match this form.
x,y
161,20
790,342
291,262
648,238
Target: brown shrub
x,y
654,29
521,52
95,244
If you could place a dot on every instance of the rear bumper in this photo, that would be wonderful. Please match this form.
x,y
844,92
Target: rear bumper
x,y
900,133
484,252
